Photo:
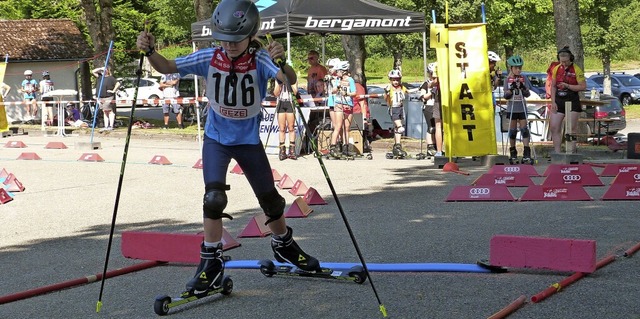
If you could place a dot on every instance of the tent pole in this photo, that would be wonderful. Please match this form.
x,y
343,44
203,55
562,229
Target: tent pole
x,y
424,54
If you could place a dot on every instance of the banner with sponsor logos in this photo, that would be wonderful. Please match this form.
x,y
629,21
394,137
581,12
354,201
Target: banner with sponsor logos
x,y
463,68
312,16
4,125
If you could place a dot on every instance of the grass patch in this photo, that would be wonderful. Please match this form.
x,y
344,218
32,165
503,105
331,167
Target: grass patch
x,y
632,111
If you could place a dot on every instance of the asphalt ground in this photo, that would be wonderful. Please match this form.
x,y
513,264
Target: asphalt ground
x,y
57,230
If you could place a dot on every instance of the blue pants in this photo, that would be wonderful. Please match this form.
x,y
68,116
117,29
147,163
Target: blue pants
x,y
251,158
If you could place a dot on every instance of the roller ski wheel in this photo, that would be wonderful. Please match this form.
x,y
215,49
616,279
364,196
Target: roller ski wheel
x,y
355,273
421,156
394,156
369,156
164,303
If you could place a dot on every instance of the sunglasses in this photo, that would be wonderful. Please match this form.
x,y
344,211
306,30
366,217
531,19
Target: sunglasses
x,y
311,58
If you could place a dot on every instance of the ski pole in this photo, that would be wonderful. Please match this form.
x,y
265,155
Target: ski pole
x,y
281,64
122,167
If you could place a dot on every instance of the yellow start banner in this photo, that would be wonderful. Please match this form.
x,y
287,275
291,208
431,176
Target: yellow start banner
x,y
4,125
466,91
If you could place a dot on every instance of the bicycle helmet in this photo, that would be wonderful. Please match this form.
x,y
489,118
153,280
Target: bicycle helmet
x,y
432,67
331,63
235,20
45,73
342,66
28,72
493,57
395,74
515,60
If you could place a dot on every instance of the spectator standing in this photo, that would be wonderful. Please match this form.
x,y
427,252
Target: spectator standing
x,y
46,86
567,80
232,130
316,71
286,120
28,88
169,85
107,93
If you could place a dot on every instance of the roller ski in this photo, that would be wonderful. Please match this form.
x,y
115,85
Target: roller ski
x,y
526,156
513,155
208,280
397,152
431,152
355,273
336,154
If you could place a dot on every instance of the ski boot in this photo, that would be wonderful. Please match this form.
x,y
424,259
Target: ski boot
x,y
334,151
283,152
526,156
513,157
398,151
431,150
210,271
292,151
285,249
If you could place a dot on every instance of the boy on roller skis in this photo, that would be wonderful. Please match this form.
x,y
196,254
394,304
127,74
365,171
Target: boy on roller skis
x,y
237,71
515,91
395,93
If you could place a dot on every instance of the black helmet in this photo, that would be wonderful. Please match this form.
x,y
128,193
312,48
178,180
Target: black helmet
x,y
235,20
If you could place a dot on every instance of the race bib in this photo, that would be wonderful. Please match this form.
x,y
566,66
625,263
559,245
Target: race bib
x,y
232,88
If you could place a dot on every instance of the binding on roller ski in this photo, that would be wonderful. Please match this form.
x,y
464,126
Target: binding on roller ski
x,y
355,273
208,280
516,91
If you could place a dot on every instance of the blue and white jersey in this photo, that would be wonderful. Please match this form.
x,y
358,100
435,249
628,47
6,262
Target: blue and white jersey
x,y
235,90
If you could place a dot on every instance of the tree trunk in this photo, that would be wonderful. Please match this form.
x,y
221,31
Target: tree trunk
x,y
356,53
606,69
567,22
99,25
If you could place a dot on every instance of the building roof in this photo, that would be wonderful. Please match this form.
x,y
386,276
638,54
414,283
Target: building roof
x,y
42,40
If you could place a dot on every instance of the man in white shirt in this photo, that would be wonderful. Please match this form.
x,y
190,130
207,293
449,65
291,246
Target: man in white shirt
x,y
169,85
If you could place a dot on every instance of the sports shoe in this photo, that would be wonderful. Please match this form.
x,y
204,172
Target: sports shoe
x,y
283,153
292,152
210,270
285,249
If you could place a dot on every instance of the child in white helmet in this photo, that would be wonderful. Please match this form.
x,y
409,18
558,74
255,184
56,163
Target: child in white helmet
x,y
46,86
395,94
29,88
344,89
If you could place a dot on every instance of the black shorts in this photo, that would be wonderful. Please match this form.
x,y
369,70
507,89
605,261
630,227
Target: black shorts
x,y
397,113
573,98
516,116
284,107
48,98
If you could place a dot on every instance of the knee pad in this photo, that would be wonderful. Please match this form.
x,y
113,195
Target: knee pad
x,y
399,129
215,201
524,132
272,204
513,133
431,130
570,137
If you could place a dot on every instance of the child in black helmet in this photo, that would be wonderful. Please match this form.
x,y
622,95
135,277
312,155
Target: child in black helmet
x,y
515,91
237,72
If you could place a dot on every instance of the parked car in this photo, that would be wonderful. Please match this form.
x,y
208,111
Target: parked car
x,y
149,89
625,87
613,112
537,80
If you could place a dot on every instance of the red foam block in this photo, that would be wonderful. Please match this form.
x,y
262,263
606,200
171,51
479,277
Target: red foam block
x,y
627,178
4,196
525,169
614,169
15,144
298,189
12,184
91,157
577,178
276,176
237,170
160,160
569,192
581,169
543,253
480,193
198,164
56,145
514,180
4,173
298,209
285,182
256,227
311,197
622,192
168,247
29,156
